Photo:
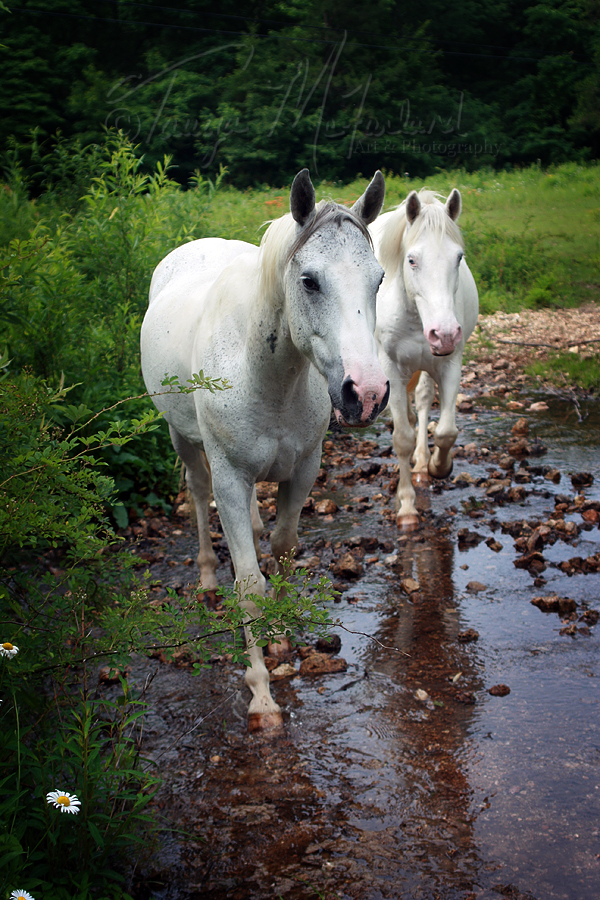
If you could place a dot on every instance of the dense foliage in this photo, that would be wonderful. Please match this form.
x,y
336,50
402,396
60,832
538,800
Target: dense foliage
x,y
266,88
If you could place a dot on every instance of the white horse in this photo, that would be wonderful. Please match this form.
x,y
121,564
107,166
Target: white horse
x,y
427,307
290,326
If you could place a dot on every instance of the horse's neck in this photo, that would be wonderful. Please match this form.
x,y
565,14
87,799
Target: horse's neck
x,y
271,354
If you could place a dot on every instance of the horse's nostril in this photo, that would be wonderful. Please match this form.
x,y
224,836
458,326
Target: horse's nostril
x,y
349,395
386,397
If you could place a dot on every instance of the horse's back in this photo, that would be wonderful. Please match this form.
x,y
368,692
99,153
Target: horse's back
x,y
199,262
179,307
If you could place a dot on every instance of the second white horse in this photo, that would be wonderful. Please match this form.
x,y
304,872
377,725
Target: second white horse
x,y
427,307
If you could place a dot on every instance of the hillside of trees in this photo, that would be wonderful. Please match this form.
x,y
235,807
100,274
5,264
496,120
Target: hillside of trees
x,y
265,87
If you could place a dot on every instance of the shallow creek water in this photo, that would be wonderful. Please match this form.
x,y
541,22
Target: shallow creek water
x,y
403,777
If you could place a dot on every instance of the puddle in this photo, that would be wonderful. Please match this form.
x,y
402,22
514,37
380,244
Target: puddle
x,y
403,777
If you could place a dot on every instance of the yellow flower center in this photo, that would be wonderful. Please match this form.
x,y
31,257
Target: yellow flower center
x,y
8,646
64,801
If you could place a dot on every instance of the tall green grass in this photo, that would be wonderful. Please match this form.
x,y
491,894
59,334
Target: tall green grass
x,y
532,235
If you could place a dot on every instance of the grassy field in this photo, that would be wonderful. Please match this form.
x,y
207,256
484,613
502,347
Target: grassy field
x,y
532,236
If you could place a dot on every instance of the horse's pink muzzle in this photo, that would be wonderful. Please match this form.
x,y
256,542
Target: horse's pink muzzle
x,y
443,341
359,405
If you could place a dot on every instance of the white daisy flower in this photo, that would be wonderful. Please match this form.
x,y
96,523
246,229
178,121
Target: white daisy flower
x,y
8,649
20,895
63,801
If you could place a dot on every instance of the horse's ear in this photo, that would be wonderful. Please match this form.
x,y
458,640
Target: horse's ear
x,y
302,198
413,207
454,205
370,204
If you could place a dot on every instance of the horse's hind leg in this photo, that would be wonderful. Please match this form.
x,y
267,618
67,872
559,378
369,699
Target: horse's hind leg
x,y
257,524
197,476
424,395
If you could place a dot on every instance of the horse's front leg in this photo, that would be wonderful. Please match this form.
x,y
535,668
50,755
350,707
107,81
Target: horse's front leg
x,y
446,432
234,501
291,496
403,439
424,395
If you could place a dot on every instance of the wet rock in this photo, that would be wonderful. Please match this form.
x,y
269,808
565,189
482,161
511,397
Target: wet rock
x,y
590,616
367,470
326,507
537,448
464,478
322,664
519,447
409,585
468,636
554,603
522,477
499,690
330,644
464,697
494,545
347,567
531,561
469,538
512,892
474,587
582,479
283,670
552,475
521,427
591,516
570,630
540,406
506,462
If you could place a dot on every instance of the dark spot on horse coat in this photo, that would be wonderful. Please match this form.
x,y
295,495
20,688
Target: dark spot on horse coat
x,y
271,341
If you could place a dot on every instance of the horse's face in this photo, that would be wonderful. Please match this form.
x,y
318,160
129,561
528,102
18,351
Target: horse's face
x,y
431,272
331,286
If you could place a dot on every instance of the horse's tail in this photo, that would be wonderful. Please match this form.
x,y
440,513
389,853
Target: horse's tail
x,y
413,382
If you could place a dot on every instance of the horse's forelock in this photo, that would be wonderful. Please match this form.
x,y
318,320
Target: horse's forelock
x,y
328,213
280,243
432,218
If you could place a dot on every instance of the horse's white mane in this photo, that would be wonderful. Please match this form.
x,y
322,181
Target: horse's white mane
x,y
397,238
274,247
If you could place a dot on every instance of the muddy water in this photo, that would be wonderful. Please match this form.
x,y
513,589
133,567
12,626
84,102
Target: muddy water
x,y
403,777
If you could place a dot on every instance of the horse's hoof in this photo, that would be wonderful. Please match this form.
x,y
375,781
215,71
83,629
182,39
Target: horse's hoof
x,y
408,523
420,477
439,475
265,721
210,598
283,648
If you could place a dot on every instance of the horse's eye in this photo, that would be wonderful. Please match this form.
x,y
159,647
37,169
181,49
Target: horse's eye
x,y
461,256
310,284
412,262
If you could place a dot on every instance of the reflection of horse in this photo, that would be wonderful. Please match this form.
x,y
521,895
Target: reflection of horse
x,y
290,325
426,309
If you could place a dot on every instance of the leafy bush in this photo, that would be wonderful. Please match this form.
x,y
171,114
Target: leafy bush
x,y
76,290
68,602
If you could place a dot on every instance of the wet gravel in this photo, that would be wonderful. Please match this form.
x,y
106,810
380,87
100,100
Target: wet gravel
x,y
456,755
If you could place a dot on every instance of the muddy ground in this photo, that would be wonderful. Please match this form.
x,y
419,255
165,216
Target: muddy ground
x,y
456,755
